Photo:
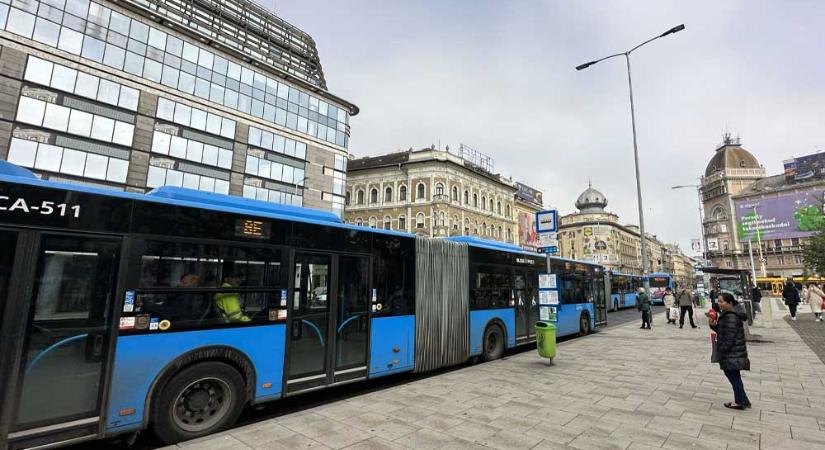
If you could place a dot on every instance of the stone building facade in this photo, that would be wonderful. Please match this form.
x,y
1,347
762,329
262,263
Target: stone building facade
x,y
430,193
596,235
729,172
126,96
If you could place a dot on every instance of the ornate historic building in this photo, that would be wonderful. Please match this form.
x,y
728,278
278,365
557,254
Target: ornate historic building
x,y
595,234
729,172
431,192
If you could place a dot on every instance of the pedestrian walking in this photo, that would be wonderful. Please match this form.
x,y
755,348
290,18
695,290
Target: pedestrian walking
x,y
685,300
791,296
732,349
803,294
815,298
643,305
670,302
756,296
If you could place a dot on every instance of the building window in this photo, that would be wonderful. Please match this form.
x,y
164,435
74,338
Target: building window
x,y
484,229
466,226
439,190
455,194
466,197
507,211
359,221
387,195
475,200
419,220
387,223
419,195
455,222
780,260
498,235
373,196
359,197
402,223
442,219
498,208
483,202
509,235
402,194
726,245
728,263
723,227
348,198
797,259
373,222
491,205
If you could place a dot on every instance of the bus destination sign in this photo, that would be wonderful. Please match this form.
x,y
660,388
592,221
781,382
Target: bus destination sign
x,y
250,228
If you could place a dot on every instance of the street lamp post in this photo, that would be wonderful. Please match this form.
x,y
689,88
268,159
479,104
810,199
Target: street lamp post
x,y
645,262
701,217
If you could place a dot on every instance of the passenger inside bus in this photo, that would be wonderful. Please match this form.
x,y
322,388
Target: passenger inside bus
x,y
229,303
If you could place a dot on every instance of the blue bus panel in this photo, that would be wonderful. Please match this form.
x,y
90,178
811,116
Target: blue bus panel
x,y
479,320
568,317
140,359
392,345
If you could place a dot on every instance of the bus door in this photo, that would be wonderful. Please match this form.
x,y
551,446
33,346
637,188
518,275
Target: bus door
x,y
65,290
524,293
601,293
329,321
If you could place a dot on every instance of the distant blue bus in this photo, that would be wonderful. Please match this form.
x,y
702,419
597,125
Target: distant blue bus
x,y
623,288
659,281
176,309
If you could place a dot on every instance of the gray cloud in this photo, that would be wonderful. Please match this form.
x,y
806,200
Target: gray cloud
x,y
500,77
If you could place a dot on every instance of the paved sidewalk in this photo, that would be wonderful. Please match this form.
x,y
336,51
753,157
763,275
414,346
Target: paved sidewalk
x,y
622,388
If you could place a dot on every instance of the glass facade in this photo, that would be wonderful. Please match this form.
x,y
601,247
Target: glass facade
x,y
102,126
68,161
100,34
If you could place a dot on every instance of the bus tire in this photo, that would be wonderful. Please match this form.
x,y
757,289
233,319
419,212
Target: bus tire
x,y
201,399
584,324
493,343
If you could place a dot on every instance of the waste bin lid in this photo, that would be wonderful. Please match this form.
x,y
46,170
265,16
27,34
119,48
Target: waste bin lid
x,y
545,325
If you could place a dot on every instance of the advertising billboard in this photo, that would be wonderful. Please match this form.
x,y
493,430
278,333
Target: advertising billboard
x,y
805,168
527,236
785,216
528,194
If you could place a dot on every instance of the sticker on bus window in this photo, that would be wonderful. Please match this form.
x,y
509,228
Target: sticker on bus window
x,y
548,314
374,295
164,325
127,323
283,298
129,301
281,314
142,322
153,323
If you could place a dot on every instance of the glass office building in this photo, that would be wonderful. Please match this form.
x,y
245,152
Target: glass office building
x,y
216,95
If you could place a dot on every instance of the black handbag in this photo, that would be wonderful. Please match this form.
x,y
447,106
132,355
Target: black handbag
x,y
714,352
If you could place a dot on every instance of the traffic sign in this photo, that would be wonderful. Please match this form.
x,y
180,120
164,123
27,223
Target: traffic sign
x,y
548,240
548,249
547,221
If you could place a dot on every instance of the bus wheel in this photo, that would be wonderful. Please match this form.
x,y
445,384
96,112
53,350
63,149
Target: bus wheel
x,y
584,324
200,400
493,343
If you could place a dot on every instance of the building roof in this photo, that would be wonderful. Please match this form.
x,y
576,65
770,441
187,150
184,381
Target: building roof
x,y
591,200
731,156
372,162
775,183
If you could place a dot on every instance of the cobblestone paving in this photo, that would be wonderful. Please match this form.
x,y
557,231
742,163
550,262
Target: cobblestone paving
x,y
622,388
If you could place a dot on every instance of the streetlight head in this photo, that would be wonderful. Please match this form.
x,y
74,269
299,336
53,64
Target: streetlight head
x,y
675,29
585,65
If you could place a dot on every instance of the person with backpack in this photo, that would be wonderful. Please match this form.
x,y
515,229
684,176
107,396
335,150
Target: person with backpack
x,y
643,305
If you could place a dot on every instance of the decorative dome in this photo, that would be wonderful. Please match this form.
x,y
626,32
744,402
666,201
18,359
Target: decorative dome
x,y
731,155
591,200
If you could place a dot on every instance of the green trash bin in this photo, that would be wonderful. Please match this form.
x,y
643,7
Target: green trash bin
x,y
546,339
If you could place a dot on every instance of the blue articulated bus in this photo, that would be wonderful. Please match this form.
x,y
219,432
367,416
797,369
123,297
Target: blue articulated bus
x,y
659,281
174,310
623,290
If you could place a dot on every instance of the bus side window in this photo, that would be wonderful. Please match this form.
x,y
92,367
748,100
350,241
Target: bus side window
x,y
393,277
196,285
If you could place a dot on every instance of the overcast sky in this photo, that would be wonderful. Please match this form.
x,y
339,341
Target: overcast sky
x,y
499,76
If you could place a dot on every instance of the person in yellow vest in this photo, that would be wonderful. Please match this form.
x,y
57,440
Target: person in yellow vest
x,y
229,303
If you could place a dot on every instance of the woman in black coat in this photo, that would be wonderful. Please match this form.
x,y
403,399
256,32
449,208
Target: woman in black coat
x,y
733,352
791,296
